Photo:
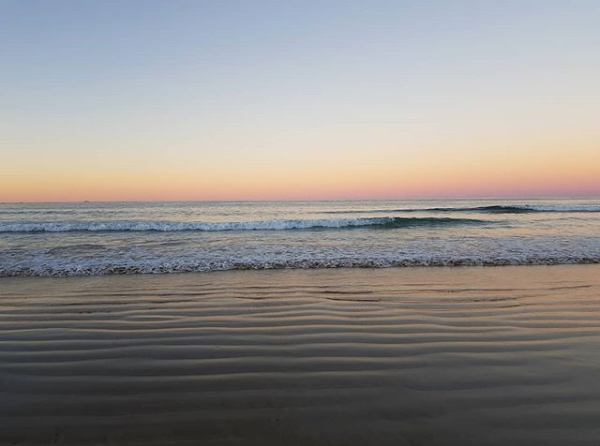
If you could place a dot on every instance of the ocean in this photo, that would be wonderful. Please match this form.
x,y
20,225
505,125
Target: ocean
x,y
72,239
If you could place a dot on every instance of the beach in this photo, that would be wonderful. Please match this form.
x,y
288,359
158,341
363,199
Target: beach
x,y
393,356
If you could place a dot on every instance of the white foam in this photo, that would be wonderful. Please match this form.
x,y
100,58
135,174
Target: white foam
x,y
57,269
267,225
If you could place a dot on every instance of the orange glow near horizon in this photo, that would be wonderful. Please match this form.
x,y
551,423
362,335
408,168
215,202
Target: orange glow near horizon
x,y
387,178
125,101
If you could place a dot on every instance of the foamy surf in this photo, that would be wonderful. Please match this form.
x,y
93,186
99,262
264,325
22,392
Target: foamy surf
x,y
269,225
120,267
78,239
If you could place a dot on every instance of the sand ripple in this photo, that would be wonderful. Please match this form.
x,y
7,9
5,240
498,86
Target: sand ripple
x,y
469,356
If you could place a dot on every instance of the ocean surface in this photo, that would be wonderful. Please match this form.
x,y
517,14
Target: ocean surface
x,y
128,238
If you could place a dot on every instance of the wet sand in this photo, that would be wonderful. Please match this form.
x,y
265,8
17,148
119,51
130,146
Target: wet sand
x,y
416,356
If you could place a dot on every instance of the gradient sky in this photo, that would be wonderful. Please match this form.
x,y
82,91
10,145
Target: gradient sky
x,y
204,100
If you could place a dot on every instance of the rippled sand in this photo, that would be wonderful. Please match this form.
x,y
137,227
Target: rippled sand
x,y
424,356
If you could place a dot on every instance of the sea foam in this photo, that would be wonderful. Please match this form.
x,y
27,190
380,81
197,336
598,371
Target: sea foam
x,y
268,225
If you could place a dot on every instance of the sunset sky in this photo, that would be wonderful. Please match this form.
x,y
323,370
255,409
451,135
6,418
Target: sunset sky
x,y
250,100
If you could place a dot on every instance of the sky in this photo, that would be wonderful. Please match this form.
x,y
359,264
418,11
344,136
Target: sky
x,y
276,100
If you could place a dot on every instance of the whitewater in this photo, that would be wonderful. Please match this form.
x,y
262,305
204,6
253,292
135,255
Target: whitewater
x,y
66,239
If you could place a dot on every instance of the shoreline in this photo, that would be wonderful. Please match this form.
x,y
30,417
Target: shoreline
x,y
135,271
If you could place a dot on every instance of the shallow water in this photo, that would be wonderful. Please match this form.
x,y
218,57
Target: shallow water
x,y
119,238
414,356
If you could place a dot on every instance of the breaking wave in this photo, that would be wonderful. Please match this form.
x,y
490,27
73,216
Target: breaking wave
x,y
269,225
494,209
524,209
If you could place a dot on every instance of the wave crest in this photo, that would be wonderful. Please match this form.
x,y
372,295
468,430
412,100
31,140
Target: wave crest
x,y
269,225
493,209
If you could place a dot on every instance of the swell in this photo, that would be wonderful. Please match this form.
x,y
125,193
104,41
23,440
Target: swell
x,y
268,225
494,209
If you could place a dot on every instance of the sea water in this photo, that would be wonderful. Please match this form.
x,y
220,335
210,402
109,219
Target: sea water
x,y
127,238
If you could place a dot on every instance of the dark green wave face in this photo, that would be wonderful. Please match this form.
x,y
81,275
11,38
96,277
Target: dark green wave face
x,y
521,209
493,209
506,210
419,222
481,209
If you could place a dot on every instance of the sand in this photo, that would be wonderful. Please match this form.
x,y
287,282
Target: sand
x,y
416,356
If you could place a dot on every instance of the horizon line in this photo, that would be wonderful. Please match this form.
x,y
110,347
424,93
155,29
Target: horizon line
x,y
325,200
